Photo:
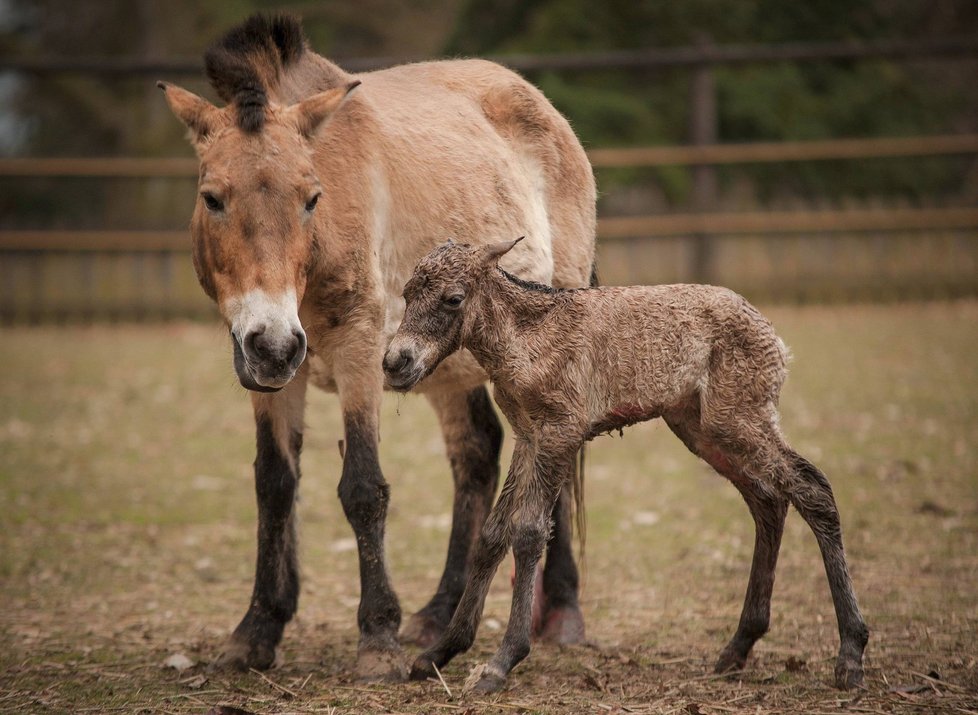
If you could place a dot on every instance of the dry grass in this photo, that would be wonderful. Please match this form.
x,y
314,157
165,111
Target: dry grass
x,y
127,535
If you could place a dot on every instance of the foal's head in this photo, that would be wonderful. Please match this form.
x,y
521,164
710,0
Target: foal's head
x,y
254,223
437,297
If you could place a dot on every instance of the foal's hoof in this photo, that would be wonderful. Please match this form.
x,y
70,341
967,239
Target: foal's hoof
x,y
422,668
730,661
484,680
243,656
380,665
562,626
422,630
848,674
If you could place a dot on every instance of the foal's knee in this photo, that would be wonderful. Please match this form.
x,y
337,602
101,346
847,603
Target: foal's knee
x,y
529,540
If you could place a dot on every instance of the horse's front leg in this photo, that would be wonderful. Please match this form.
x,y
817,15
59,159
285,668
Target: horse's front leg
x,y
278,421
364,495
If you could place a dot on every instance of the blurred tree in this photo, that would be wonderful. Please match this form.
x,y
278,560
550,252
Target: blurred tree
x,y
783,101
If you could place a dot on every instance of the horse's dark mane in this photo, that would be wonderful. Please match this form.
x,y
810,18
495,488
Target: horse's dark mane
x,y
240,63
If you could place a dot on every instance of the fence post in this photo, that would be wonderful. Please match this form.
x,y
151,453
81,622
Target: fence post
x,y
703,130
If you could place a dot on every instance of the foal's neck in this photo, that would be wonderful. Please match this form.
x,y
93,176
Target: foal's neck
x,y
504,314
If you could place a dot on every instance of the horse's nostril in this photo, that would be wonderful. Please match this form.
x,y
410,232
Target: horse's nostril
x,y
297,345
256,344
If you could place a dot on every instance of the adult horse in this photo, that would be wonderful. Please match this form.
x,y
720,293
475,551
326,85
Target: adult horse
x,y
315,202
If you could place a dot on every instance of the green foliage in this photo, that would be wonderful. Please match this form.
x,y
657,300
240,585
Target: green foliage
x,y
763,102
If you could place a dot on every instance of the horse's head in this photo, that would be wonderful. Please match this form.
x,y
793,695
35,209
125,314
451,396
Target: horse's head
x,y
254,223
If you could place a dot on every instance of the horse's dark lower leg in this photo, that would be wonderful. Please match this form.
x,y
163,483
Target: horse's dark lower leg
x,y
812,496
769,511
562,622
364,495
276,590
473,437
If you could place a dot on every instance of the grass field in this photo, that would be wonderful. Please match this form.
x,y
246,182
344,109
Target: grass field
x,y
128,521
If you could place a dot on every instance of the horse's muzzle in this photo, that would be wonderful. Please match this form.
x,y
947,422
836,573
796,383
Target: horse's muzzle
x,y
264,363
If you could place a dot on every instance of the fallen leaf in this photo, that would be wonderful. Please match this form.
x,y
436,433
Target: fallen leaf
x,y
179,662
195,683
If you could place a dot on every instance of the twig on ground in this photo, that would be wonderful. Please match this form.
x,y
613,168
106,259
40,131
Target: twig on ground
x,y
443,683
275,685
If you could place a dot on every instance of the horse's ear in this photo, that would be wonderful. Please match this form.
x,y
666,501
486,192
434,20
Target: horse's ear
x,y
494,251
312,112
200,116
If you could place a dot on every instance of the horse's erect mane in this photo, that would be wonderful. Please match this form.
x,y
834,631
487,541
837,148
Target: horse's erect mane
x,y
244,64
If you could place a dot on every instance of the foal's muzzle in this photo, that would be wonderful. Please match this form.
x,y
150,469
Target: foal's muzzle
x,y
401,366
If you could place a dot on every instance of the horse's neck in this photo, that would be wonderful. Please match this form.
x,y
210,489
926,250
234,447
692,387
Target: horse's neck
x,y
310,74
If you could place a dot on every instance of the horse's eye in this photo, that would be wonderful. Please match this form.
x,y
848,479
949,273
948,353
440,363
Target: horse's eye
x,y
454,300
311,203
212,202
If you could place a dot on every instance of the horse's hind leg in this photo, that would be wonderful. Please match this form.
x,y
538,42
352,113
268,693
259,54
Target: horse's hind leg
x,y
278,420
561,622
811,495
473,437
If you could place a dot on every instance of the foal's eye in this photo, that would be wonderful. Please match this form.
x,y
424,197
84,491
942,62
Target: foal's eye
x,y
454,300
212,202
311,203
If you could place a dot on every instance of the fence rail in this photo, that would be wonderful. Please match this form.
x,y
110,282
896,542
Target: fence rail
x,y
641,59
746,153
622,227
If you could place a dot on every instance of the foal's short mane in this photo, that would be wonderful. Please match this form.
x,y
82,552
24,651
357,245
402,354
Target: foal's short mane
x,y
533,285
243,64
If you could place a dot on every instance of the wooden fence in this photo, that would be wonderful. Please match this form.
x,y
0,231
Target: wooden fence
x,y
866,251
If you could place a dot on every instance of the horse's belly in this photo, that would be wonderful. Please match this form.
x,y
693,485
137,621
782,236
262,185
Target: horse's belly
x,y
458,372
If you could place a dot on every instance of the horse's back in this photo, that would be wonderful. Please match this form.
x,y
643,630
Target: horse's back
x,y
523,168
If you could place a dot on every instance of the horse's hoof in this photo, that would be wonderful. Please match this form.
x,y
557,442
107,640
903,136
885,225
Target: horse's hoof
x,y
848,674
562,626
422,630
730,661
380,666
242,656
422,668
484,680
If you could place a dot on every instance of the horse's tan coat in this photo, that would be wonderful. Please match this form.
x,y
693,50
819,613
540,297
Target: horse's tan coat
x,y
416,154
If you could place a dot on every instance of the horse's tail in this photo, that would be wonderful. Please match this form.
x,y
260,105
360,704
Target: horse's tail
x,y
577,484
577,507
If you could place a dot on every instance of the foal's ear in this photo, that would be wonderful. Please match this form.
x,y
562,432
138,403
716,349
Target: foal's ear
x,y
312,112
200,116
494,251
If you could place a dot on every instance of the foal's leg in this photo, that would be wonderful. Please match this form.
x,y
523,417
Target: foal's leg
x,y
490,549
473,437
530,530
812,496
768,508
364,495
278,420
